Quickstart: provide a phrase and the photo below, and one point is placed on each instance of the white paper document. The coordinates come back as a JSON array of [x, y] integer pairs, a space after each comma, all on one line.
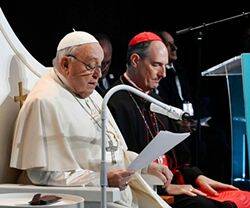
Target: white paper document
[[162, 142]]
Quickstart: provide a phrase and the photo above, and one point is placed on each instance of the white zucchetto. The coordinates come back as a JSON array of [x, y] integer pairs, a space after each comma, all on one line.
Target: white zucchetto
[[76, 38]]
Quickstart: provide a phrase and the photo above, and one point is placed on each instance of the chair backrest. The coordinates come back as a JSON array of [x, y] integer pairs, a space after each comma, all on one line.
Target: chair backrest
[[16, 65]]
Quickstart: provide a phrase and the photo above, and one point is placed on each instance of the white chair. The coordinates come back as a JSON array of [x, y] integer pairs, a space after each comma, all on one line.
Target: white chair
[[18, 65]]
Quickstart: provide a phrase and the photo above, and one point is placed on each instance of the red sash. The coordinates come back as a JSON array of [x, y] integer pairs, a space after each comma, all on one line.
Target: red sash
[[240, 198]]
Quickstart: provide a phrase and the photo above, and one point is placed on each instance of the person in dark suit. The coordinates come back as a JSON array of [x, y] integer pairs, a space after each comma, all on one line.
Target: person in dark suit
[[209, 141], [107, 78], [174, 89], [146, 66]]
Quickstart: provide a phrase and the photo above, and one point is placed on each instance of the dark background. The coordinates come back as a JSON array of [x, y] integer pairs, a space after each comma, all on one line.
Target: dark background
[[41, 24]]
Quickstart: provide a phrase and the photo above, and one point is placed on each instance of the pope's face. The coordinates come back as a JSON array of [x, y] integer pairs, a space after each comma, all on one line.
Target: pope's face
[[84, 69]]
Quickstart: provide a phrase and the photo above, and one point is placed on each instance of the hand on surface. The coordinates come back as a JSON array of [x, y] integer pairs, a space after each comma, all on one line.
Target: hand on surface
[[162, 172], [175, 189], [119, 178], [210, 186]]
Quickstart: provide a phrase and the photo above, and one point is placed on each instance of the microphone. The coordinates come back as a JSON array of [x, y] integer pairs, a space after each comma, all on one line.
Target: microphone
[[170, 111]]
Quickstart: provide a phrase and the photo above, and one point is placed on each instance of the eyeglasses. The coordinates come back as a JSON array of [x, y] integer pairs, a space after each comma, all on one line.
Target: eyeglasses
[[87, 66]]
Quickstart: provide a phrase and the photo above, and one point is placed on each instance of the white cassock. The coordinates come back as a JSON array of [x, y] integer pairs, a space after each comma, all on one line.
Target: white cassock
[[58, 141]]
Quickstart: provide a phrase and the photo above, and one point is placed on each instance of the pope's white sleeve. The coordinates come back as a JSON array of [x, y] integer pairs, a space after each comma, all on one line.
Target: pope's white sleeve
[[64, 178], [131, 155]]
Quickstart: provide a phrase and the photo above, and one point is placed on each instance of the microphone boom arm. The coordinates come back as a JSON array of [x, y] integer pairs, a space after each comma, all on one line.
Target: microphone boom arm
[[104, 117], [183, 31]]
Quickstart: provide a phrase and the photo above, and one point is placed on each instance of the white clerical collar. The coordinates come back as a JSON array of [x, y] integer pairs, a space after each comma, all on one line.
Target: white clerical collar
[[63, 80], [171, 66], [131, 82]]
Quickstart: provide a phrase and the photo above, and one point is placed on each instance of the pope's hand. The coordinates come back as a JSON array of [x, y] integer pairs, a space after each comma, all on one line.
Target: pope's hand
[[210, 186], [162, 172], [119, 178]]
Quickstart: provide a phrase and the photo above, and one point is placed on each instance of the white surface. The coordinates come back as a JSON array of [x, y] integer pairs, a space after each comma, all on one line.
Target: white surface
[[90, 194], [22, 200], [162, 142]]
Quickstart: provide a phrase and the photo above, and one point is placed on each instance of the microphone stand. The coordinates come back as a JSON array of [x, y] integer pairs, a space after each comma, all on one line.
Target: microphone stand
[[205, 25], [104, 116], [199, 38]]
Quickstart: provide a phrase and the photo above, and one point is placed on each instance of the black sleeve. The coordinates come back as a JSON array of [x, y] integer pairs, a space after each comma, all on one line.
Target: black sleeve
[[190, 174], [183, 156]]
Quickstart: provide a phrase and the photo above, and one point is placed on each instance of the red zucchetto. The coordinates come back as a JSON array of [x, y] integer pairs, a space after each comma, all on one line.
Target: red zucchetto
[[144, 37]]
